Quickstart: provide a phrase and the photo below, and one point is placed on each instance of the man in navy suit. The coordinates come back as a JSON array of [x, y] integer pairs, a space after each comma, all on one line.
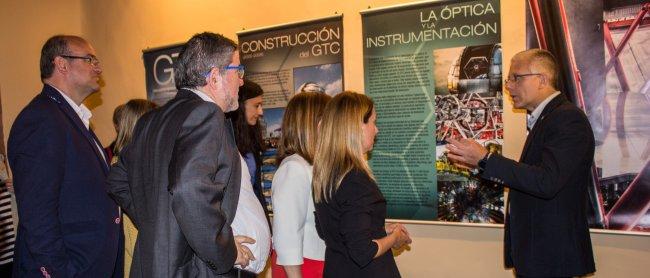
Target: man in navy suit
[[546, 230], [68, 225]]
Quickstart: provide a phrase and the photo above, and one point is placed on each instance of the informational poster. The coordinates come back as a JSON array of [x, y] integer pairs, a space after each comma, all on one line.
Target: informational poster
[[285, 60], [604, 47], [434, 71], [159, 73]]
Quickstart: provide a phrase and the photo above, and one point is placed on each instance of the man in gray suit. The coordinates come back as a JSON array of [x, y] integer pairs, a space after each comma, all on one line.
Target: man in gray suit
[[179, 179]]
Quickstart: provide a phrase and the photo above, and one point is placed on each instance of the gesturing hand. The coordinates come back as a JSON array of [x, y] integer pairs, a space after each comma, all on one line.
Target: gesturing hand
[[244, 255], [465, 152]]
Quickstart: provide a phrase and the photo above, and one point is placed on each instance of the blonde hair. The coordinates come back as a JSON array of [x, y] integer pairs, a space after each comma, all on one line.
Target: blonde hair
[[126, 115], [300, 125], [340, 148]]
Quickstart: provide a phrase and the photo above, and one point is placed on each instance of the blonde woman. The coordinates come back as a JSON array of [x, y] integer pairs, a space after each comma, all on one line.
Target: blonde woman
[[350, 209], [300, 252], [125, 118]]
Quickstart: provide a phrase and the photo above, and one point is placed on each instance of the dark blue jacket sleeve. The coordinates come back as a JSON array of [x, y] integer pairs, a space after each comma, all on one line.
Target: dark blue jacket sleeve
[[36, 156], [566, 149], [356, 199]]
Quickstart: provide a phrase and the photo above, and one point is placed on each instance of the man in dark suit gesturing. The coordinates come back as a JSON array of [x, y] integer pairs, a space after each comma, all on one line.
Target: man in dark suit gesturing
[[546, 230], [179, 179], [68, 225]]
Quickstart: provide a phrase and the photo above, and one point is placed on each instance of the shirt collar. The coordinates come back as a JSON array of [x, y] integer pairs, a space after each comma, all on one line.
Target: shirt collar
[[82, 111], [202, 95], [533, 116]]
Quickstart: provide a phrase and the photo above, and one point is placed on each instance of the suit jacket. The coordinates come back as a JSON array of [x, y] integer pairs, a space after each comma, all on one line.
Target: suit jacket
[[546, 230], [179, 182], [348, 223], [69, 226]]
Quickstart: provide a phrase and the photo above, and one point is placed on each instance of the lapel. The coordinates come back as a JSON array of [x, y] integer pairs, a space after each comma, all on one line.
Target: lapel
[[538, 127], [231, 129], [92, 140], [229, 204]]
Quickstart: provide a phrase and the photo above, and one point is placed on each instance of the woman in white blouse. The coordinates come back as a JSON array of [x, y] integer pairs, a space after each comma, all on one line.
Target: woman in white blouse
[[299, 252]]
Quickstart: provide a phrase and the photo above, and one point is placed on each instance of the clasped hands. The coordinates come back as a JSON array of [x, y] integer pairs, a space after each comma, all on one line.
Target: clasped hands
[[401, 234]]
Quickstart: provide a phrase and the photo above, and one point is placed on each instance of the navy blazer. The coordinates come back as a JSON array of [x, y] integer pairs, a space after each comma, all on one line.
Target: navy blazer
[[546, 229], [348, 222], [69, 226]]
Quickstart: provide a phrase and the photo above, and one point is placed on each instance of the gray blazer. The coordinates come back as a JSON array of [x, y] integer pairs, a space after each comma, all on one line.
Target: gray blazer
[[179, 182]]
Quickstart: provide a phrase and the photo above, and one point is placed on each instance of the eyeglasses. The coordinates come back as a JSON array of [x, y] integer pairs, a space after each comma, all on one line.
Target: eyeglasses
[[516, 77], [240, 70], [88, 59]]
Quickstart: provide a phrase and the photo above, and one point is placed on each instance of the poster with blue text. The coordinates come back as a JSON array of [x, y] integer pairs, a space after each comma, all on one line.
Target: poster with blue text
[[434, 71]]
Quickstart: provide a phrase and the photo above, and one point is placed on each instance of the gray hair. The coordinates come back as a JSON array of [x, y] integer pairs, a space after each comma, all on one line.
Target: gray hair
[[543, 61], [199, 55]]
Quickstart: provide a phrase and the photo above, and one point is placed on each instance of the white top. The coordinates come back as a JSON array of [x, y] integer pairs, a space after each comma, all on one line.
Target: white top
[[294, 228], [84, 114], [249, 219], [533, 116]]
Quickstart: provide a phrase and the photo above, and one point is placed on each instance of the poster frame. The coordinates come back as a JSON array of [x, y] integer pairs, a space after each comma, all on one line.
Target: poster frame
[[371, 11], [246, 32]]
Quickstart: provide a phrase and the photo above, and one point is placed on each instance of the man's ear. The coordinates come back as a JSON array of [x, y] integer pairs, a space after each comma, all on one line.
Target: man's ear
[[214, 78], [543, 80], [60, 64]]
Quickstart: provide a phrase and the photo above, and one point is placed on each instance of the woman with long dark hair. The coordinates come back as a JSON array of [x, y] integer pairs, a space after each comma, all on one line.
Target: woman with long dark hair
[[248, 133]]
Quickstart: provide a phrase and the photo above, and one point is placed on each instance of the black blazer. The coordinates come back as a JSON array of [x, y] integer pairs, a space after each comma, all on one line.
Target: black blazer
[[69, 226], [179, 182], [348, 223], [546, 230]]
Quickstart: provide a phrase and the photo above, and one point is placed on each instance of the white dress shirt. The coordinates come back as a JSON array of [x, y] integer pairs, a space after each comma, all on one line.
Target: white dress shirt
[[249, 219], [294, 227], [84, 114], [533, 116], [202, 95]]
